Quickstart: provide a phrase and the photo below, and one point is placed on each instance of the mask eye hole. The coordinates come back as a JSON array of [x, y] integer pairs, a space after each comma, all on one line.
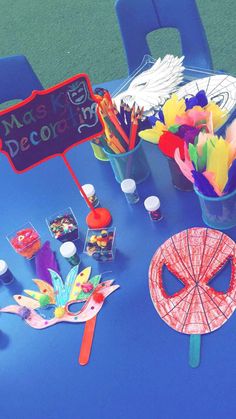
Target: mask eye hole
[[75, 307], [221, 281], [171, 283]]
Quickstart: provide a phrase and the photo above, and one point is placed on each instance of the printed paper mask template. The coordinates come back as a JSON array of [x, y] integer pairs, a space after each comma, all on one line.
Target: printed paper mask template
[[220, 89], [194, 256]]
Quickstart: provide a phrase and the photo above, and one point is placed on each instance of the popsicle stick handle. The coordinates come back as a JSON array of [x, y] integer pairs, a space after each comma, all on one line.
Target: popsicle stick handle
[[194, 350], [87, 341]]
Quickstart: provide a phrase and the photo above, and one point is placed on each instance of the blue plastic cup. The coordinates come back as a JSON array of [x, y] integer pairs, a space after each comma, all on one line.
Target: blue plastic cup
[[130, 165], [218, 212], [178, 179]]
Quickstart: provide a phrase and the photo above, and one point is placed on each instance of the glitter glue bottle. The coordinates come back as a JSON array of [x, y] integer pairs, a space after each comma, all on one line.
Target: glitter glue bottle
[[69, 252], [90, 192], [5, 274], [152, 205], [128, 186]]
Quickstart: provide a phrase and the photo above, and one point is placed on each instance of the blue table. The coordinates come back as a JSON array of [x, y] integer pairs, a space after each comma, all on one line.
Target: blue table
[[138, 366]]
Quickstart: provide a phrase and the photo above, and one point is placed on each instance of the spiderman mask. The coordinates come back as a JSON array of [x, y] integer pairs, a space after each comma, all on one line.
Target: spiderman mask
[[194, 256]]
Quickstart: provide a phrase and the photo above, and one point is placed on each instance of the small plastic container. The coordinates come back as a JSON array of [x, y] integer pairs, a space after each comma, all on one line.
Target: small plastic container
[[152, 205], [132, 164], [218, 212], [25, 241], [128, 186], [69, 252], [178, 179], [63, 226], [90, 192], [100, 244], [5, 274]]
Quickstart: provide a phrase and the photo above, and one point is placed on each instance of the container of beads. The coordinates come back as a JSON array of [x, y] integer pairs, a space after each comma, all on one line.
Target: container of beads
[[63, 226], [100, 244], [152, 205], [25, 241], [90, 192]]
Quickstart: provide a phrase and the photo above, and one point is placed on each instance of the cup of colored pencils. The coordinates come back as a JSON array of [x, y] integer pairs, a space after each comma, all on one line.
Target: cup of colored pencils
[[121, 142]]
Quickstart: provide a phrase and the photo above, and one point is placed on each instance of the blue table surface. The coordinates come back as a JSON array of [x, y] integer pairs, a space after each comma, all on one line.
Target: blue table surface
[[139, 365]]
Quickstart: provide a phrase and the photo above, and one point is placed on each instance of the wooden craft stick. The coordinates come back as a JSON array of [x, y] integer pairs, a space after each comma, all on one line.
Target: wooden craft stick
[[87, 341]]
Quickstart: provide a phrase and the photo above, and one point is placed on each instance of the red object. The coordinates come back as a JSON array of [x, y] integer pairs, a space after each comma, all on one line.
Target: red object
[[169, 142], [26, 242], [87, 341], [99, 218], [98, 297], [194, 256], [77, 183], [133, 134]]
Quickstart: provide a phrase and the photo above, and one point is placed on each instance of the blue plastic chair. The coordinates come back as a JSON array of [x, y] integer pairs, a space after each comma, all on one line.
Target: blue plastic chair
[[17, 78], [137, 18]]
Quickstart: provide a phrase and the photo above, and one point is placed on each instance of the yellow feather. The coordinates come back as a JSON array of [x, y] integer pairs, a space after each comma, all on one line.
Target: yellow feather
[[172, 108], [152, 135], [34, 294], [219, 116], [218, 162]]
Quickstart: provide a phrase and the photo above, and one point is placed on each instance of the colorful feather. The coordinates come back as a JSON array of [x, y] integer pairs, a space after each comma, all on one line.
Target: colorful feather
[[81, 278], [185, 166], [217, 162], [26, 301], [45, 259], [203, 185], [45, 289], [231, 183], [59, 289], [82, 296], [70, 280]]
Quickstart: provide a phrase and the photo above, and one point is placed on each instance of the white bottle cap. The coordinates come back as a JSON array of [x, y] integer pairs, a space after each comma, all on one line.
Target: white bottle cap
[[128, 186], [152, 203], [88, 189], [68, 249], [3, 267]]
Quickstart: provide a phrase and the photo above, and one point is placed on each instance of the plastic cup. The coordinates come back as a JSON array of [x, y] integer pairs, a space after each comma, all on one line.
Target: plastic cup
[[25, 241], [132, 164], [63, 225], [178, 179], [100, 244], [99, 153], [218, 212]]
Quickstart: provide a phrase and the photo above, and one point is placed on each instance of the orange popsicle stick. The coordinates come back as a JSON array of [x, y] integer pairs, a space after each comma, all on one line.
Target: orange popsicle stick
[[87, 341]]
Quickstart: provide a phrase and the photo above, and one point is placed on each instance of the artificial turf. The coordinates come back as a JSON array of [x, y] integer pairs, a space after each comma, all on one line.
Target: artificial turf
[[64, 37]]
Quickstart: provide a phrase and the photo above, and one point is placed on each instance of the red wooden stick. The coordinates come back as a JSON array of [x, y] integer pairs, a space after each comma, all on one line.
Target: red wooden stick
[[78, 184], [87, 341]]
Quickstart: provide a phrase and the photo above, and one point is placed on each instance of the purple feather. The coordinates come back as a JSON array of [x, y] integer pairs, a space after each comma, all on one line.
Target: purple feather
[[45, 259], [188, 133], [199, 99], [231, 183], [203, 185]]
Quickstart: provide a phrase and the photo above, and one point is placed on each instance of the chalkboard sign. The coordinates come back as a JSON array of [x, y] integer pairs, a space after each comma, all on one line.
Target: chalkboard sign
[[49, 123]]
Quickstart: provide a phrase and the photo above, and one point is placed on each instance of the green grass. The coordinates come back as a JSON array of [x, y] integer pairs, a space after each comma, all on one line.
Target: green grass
[[64, 37]]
